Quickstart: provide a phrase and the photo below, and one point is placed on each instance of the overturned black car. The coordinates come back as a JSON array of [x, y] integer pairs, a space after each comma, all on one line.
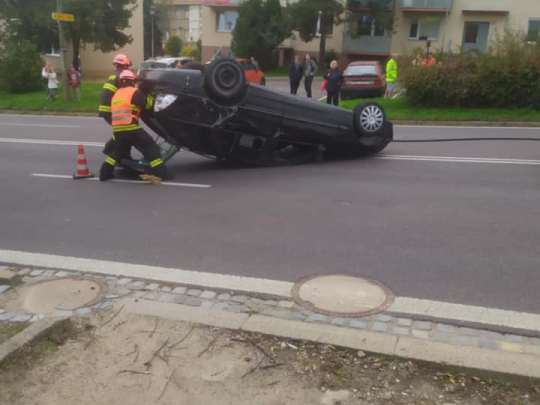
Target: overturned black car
[[212, 111]]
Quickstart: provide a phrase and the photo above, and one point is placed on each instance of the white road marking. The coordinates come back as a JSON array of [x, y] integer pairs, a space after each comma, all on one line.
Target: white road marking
[[420, 158], [427, 126], [163, 274], [402, 305], [51, 142], [165, 183], [322, 98], [15, 124], [454, 159]]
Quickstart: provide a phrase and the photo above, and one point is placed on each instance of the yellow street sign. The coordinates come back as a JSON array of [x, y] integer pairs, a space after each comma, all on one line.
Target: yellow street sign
[[63, 17]]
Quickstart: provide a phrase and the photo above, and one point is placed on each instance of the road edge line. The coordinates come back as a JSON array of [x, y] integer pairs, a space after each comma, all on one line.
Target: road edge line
[[164, 274]]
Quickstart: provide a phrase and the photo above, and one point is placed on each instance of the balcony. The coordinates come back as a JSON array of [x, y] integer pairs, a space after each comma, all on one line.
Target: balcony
[[222, 3], [363, 4], [367, 45], [426, 5]]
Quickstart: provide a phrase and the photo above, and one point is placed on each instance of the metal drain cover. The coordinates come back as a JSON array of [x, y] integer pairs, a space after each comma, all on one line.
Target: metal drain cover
[[62, 294], [342, 295]]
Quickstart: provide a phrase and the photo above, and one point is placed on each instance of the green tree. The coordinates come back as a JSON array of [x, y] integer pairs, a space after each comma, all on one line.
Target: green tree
[[314, 18], [30, 20], [174, 45], [98, 22], [260, 28], [21, 67]]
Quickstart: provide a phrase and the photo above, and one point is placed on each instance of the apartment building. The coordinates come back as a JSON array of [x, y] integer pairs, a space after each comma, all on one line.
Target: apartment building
[[448, 24], [184, 19]]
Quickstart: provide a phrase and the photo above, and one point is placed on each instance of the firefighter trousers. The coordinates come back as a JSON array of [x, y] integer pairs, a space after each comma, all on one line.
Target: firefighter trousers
[[141, 141]]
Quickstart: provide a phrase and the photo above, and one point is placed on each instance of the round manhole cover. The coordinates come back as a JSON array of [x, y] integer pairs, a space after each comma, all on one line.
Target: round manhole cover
[[342, 295], [64, 294]]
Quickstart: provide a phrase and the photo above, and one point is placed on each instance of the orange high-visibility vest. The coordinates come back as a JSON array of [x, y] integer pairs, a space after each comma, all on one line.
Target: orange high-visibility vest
[[123, 112]]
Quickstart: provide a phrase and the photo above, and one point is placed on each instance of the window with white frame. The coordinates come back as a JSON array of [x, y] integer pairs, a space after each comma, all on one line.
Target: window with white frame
[[423, 29], [226, 20], [329, 25], [368, 26]]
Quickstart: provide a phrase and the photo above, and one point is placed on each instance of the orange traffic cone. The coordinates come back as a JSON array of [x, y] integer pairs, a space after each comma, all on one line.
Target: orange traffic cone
[[82, 167]]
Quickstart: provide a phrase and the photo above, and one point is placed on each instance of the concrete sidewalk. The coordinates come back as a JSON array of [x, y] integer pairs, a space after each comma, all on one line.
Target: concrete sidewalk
[[407, 337]]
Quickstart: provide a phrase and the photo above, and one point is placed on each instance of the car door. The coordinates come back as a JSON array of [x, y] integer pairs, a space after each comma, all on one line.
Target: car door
[[251, 72]]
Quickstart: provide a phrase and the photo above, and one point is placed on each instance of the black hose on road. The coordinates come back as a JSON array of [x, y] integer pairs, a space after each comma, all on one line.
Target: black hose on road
[[463, 139]]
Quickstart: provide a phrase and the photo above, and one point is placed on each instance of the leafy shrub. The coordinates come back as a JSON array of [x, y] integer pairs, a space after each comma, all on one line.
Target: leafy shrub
[[329, 57], [21, 66], [174, 46], [507, 75]]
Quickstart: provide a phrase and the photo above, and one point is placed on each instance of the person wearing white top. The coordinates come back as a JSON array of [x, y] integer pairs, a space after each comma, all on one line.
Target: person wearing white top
[[52, 85]]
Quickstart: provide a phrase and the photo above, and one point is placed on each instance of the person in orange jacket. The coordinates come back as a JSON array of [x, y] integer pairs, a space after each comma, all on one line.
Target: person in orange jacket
[[126, 106]]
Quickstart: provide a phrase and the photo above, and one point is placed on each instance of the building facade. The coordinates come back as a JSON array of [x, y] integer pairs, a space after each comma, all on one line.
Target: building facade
[[183, 19], [449, 25]]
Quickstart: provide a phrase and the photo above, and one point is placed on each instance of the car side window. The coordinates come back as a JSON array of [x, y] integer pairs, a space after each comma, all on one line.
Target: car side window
[[248, 66]]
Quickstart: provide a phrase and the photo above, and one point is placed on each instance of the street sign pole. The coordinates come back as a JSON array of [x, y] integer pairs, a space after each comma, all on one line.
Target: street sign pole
[[63, 51]]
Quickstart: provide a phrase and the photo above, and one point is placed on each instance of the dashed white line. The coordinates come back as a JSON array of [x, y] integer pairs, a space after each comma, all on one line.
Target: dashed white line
[[419, 158], [165, 183], [50, 142], [454, 159], [16, 124]]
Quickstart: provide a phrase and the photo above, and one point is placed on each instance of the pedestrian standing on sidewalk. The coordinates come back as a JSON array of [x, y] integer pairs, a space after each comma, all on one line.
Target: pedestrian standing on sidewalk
[[334, 80], [310, 68], [296, 71], [391, 76], [75, 82], [52, 83]]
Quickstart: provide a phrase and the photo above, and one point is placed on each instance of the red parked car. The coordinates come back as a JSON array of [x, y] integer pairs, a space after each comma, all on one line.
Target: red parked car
[[363, 79]]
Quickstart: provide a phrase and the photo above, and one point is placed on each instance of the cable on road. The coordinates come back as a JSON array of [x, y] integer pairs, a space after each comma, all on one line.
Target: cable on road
[[463, 139]]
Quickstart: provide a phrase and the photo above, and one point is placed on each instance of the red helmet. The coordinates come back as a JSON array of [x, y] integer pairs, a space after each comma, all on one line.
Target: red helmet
[[127, 75], [121, 59]]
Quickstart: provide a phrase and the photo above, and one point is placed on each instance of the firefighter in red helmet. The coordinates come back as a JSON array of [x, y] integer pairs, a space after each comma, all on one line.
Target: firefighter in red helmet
[[121, 62], [126, 106]]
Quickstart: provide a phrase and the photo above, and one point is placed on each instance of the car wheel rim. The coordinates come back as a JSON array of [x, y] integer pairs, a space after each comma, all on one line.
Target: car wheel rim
[[226, 77], [371, 118]]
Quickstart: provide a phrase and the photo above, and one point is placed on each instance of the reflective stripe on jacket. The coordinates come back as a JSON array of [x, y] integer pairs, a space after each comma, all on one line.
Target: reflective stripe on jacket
[[125, 114], [391, 71], [107, 92]]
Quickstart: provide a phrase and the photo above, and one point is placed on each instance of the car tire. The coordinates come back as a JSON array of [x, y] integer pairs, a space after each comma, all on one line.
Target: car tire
[[369, 119], [373, 131], [263, 82], [194, 66], [225, 82]]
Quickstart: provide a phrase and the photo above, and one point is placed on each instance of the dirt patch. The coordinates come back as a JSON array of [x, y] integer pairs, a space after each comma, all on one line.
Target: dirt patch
[[149, 360], [31, 355], [10, 329]]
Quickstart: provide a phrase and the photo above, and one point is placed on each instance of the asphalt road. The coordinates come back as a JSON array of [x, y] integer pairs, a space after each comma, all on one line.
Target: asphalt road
[[442, 228]]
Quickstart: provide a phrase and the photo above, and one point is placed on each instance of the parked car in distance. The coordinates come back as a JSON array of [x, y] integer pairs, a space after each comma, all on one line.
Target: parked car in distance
[[252, 73], [363, 79], [162, 63]]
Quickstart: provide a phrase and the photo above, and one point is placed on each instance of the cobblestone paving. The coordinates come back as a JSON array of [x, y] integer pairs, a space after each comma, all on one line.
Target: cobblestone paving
[[285, 309]]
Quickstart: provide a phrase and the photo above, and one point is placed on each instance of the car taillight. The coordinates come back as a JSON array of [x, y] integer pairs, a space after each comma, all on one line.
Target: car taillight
[[163, 101]]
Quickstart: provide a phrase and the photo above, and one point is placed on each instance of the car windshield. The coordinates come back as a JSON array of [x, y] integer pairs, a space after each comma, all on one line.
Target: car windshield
[[153, 65], [361, 70]]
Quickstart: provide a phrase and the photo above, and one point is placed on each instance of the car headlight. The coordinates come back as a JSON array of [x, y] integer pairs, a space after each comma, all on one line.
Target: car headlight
[[163, 101]]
